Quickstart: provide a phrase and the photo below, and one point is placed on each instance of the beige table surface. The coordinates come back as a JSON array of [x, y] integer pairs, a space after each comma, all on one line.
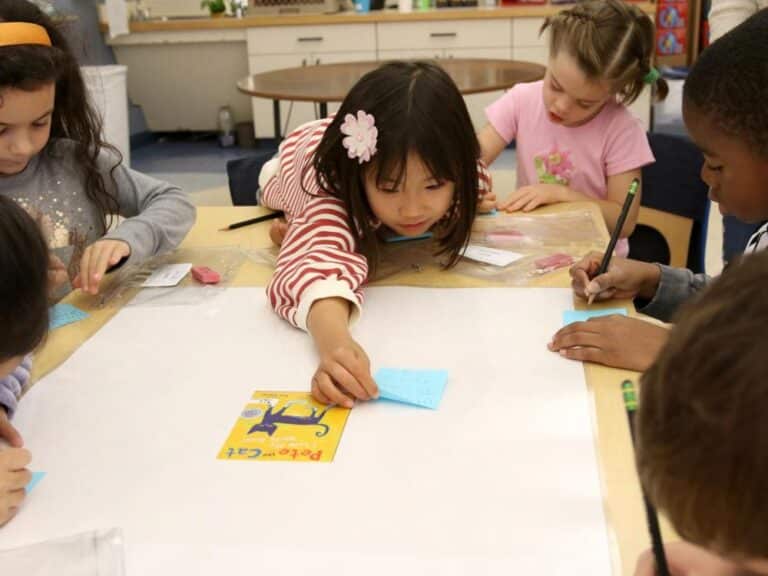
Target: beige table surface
[[623, 503]]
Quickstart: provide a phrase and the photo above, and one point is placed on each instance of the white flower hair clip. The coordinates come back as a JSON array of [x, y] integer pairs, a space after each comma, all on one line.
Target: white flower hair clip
[[361, 135]]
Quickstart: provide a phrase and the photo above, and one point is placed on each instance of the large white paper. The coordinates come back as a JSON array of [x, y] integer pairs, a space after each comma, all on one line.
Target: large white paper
[[501, 479]]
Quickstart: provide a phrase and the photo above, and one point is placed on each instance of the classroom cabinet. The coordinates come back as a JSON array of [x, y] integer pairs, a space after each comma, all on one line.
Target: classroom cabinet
[[273, 48]]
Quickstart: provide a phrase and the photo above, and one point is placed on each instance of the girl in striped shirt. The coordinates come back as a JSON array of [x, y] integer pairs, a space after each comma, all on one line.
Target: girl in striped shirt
[[400, 158]]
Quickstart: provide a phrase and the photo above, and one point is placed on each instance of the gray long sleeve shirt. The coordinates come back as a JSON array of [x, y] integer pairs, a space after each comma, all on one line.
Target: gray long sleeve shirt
[[678, 284], [52, 189]]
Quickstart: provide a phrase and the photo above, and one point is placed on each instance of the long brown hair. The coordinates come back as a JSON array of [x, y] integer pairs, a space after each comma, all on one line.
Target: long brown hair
[[611, 40], [418, 109], [28, 67]]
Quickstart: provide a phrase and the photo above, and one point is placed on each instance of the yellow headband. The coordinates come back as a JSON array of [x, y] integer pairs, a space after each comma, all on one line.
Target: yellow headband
[[19, 33]]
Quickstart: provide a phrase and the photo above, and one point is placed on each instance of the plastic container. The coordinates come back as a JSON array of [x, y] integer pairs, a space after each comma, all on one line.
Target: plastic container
[[226, 124]]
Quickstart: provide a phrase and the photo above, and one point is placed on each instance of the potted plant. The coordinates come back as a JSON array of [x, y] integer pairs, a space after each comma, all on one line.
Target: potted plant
[[215, 7]]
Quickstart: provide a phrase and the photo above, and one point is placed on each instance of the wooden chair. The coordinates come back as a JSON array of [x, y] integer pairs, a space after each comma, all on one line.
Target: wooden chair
[[674, 210]]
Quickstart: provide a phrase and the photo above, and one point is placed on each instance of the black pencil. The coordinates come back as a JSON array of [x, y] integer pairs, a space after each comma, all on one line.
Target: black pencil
[[662, 569], [617, 230], [256, 220]]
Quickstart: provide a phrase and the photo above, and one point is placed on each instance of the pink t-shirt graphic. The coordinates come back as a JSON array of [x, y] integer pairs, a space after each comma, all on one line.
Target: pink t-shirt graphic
[[580, 157]]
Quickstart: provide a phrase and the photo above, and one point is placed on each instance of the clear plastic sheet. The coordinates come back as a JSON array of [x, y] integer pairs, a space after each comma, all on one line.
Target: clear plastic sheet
[[545, 242], [126, 285]]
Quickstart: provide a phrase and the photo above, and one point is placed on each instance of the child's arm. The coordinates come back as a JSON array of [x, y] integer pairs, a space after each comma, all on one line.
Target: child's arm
[[317, 286], [13, 478], [158, 217], [10, 390], [531, 197], [491, 144], [486, 199], [344, 372]]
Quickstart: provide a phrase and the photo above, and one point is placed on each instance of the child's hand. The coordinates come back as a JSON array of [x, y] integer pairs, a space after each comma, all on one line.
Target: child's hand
[[624, 279], [97, 259], [344, 374], [8, 432], [13, 478], [528, 198], [57, 274], [486, 203], [616, 341], [687, 560], [277, 231]]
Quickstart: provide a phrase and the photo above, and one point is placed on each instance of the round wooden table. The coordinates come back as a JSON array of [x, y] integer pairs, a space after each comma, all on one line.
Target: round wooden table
[[325, 83]]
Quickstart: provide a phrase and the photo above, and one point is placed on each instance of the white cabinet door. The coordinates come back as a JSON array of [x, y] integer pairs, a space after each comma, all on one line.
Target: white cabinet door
[[315, 39], [477, 103], [444, 34]]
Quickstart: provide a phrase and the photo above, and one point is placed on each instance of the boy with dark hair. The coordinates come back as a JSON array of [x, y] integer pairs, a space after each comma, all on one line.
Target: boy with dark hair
[[702, 429]]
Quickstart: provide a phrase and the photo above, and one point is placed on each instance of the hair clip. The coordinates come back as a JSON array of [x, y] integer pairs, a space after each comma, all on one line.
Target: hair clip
[[652, 76], [361, 135]]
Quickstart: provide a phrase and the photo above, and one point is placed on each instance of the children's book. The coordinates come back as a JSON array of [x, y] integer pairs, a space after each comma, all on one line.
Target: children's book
[[285, 426]]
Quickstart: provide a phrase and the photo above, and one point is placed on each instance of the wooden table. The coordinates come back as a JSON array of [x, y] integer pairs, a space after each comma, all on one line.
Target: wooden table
[[623, 503], [331, 82]]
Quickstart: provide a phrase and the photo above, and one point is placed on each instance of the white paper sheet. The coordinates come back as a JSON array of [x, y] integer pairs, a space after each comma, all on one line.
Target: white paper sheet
[[501, 479]]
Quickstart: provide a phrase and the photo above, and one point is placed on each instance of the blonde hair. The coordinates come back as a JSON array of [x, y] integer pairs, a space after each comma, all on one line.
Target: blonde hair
[[610, 40]]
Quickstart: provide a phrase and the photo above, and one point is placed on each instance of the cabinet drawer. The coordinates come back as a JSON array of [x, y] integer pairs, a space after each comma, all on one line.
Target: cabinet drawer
[[525, 32], [302, 39], [444, 34]]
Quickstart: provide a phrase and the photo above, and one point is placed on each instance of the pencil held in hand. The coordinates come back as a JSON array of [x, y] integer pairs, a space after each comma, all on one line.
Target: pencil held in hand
[[634, 185]]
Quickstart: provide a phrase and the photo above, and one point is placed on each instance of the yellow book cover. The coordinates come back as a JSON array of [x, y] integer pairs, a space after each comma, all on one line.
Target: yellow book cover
[[285, 426]]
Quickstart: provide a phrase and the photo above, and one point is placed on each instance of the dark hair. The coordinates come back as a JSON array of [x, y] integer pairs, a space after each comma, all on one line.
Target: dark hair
[[418, 109], [29, 67], [611, 40], [23, 282], [729, 82], [703, 417]]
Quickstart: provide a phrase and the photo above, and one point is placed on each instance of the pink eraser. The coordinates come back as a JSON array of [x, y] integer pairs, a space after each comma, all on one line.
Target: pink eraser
[[554, 261], [205, 275]]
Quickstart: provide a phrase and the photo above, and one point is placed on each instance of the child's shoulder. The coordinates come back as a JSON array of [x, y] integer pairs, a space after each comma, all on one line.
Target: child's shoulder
[[619, 117], [525, 90]]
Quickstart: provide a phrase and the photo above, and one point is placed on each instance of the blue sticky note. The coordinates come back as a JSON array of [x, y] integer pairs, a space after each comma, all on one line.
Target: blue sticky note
[[418, 387], [409, 238], [571, 316], [63, 314], [36, 477]]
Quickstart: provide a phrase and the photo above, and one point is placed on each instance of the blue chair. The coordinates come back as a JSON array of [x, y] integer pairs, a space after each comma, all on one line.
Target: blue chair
[[243, 176], [674, 211]]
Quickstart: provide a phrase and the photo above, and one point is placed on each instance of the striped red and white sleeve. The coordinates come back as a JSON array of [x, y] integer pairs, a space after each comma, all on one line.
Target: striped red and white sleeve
[[485, 182], [318, 258]]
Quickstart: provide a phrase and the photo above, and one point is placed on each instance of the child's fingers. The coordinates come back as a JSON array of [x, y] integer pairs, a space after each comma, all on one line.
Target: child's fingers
[[10, 433], [13, 500], [323, 384], [360, 370], [15, 458], [18, 479], [532, 204], [344, 379], [318, 395], [85, 269]]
